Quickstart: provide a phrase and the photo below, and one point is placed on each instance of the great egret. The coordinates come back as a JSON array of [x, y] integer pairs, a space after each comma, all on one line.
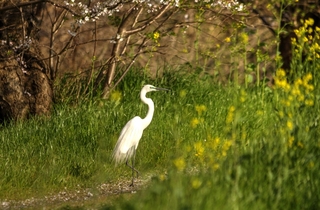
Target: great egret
[[131, 134]]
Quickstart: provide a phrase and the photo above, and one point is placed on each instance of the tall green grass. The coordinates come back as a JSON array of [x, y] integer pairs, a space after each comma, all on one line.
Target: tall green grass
[[208, 146], [72, 148]]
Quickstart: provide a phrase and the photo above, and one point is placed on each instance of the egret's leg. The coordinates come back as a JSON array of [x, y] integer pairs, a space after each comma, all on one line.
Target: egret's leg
[[132, 172], [132, 167], [133, 162]]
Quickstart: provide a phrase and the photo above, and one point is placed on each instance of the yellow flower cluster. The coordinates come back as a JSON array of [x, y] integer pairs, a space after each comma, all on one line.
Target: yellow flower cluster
[[179, 163], [298, 92], [293, 96], [290, 141], [289, 125], [228, 39], [199, 149], [230, 115], [308, 40], [225, 147], [309, 22], [197, 120], [211, 152], [245, 38], [200, 109], [214, 143], [155, 37], [280, 80], [115, 96], [243, 95], [196, 183]]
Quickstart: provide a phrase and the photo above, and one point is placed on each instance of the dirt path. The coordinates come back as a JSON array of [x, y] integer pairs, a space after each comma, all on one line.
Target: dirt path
[[78, 197]]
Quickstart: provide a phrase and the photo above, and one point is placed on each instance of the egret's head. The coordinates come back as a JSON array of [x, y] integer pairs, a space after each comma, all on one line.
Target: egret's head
[[149, 88]]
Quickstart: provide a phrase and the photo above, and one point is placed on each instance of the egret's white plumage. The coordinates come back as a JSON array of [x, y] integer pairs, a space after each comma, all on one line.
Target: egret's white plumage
[[124, 147], [132, 131]]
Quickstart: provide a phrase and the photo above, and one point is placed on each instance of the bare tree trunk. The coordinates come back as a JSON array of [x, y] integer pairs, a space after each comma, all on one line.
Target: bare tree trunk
[[25, 89], [128, 27]]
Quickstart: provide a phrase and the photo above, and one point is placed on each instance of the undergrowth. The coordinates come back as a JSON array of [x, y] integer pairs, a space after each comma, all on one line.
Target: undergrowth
[[209, 146]]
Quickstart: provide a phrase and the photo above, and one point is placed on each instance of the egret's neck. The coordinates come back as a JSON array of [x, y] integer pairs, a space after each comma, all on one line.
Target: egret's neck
[[148, 118]]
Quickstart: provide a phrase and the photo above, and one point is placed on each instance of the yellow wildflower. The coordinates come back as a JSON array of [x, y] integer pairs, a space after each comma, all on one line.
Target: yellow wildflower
[[301, 98], [156, 35], [179, 163], [289, 125], [309, 102], [199, 149], [216, 166], [195, 122], [281, 114], [280, 73], [228, 39], [260, 112], [298, 82], [297, 32], [116, 96], [214, 143], [196, 183], [200, 109], [290, 141], [310, 87], [225, 147], [245, 38], [183, 93], [307, 78], [295, 91], [243, 95], [281, 82], [162, 177], [309, 22], [230, 115], [287, 103]]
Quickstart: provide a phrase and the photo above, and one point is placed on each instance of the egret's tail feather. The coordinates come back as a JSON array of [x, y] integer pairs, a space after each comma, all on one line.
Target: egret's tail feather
[[118, 157]]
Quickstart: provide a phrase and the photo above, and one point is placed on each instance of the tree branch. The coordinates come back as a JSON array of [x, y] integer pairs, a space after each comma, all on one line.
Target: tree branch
[[141, 28]]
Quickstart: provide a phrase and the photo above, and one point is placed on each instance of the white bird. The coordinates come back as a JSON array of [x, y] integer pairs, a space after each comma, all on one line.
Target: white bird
[[131, 134]]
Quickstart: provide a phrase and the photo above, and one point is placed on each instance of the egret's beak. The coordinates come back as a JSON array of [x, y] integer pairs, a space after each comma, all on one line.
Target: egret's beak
[[163, 89]]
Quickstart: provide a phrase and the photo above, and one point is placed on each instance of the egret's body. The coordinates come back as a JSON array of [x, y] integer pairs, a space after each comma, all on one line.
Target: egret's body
[[132, 132]]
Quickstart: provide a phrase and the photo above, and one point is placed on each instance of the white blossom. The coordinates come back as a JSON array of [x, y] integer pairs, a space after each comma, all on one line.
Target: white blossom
[[100, 8]]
